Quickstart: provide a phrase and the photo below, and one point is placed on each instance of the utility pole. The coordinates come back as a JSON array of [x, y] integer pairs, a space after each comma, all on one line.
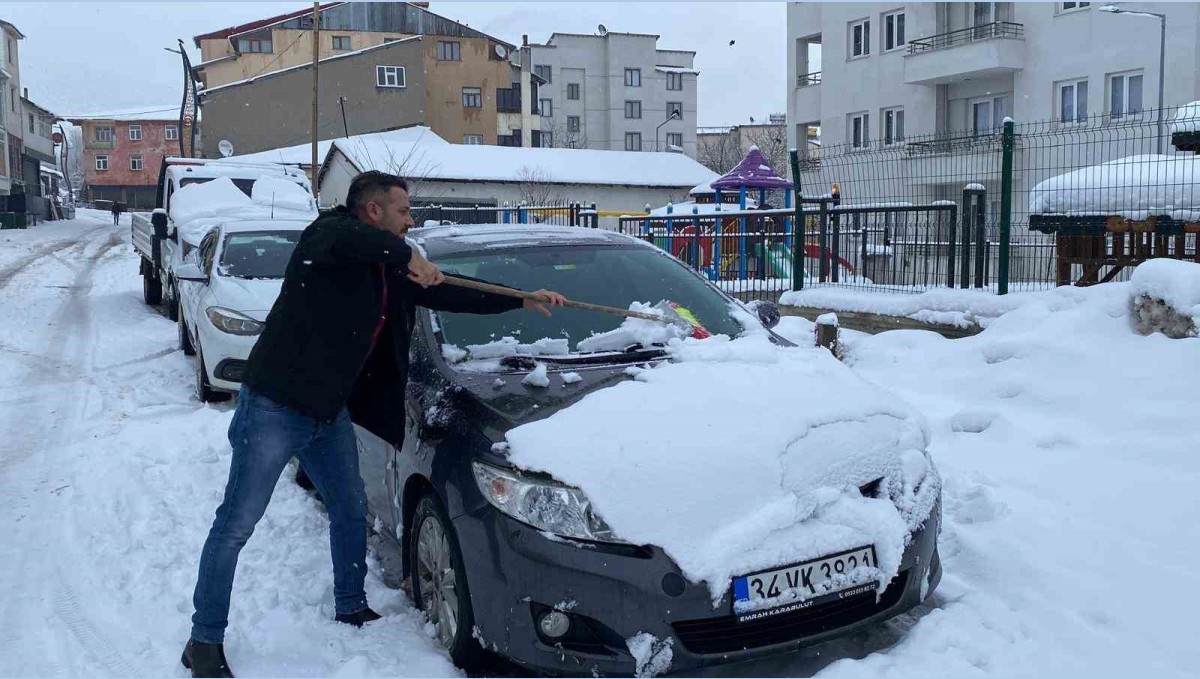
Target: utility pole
[[316, 51], [345, 127]]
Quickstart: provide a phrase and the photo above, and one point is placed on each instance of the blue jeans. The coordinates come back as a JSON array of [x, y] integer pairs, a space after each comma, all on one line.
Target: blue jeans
[[265, 435]]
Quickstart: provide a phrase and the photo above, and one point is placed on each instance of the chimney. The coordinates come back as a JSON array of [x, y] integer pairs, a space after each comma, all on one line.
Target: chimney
[[26, 92], [525, 40]]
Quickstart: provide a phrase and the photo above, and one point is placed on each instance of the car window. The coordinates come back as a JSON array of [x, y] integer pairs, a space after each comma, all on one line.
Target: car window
[[614, 275], [258, 254], [208, 248]]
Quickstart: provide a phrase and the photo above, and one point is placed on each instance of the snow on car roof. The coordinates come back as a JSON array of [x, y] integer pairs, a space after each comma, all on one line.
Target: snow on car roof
[[442, 240]]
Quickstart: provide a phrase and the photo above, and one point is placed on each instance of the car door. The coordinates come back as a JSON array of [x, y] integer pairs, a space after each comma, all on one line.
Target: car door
[[197, 298]]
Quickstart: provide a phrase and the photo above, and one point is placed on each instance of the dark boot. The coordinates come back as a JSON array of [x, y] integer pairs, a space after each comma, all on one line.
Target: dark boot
[[205, 660], [359, 618]]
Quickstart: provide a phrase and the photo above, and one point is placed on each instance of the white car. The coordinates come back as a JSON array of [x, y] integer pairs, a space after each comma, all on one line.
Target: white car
[[227, 287]]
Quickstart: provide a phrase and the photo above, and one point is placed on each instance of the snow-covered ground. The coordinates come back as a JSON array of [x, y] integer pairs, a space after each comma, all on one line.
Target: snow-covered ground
[[1065, 441]]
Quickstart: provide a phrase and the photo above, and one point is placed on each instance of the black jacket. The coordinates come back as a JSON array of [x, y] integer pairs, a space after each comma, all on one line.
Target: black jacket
[[313, 352]]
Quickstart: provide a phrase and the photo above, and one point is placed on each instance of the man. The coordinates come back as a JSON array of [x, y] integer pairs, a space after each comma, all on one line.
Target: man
[[116, 213], [334, 350]]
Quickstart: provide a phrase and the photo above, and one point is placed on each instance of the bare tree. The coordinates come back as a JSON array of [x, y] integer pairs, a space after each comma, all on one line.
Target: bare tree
[[772, 143], [564, 138], [537, 187], [414, 162], [718, 152]]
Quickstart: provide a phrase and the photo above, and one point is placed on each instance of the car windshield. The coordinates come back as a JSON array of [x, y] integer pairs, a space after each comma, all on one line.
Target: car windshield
[[611, 275], [258, 254]]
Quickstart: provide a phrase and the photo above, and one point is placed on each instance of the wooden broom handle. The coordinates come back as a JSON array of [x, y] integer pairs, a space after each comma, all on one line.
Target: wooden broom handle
[[521, 294]]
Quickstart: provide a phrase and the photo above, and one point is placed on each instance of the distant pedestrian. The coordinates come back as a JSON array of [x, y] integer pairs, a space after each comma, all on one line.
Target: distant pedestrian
[[116, 212]]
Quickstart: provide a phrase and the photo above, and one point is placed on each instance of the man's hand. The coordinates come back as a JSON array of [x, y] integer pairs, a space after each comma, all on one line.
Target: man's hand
[[423, 272], [547, 297]]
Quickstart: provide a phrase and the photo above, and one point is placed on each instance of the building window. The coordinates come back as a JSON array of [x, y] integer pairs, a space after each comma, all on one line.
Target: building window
[[633, 77], [547, 140], [101, 161], [893, 31], [246, 46], [449, 51], [12, 98], [135, 133], [633, 141], [389, 76], [546, 107], [543, 71], [472, 97], [1066, 6], [987, 115], [633, 109], [1072, 101], [341, 43], [572, 123], [32, 125], [860, 38], [170, 133], [1124, 94], [893, 126], [675, 139], [860, 130], [674, 81], [573, 91], [12, 51], [673, 106], [473, 139], [105, 134], [135, 162]]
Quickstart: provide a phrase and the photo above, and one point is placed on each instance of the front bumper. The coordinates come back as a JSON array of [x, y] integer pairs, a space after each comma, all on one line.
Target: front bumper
[[612, 593], [225, 356]]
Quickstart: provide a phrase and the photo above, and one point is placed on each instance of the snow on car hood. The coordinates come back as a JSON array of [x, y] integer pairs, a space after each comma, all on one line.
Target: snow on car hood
[[739, 456], [251, 296]]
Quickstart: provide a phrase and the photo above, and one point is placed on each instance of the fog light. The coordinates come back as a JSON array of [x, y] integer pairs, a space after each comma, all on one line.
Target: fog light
[[554, 624]]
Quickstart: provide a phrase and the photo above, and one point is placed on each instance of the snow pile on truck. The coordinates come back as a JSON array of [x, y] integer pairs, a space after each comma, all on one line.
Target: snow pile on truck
[[220, 199]]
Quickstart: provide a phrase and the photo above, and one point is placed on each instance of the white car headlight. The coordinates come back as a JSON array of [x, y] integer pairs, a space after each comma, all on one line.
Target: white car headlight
[[545, 505], [232, 322]]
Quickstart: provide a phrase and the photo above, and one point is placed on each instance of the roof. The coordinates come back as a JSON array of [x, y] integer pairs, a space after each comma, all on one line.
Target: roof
[[13, 28], [47, 169], [440, 241], [752, 173], [676, 69], [298, 67], [597, 35], [39, 108], [301, 154], [170, 112], [261, 23], [465, 162]]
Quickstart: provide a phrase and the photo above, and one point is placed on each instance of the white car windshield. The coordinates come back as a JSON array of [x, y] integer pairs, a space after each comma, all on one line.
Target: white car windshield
[[258, 254]]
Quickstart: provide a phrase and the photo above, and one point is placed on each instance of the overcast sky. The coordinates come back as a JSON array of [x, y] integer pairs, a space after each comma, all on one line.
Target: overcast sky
[[94, 56]]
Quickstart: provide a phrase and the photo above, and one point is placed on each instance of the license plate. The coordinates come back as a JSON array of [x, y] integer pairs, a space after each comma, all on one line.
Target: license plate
[[804, 585]]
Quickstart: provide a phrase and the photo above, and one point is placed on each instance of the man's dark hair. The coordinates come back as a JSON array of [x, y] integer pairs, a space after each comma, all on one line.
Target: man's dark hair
[[370, 186]]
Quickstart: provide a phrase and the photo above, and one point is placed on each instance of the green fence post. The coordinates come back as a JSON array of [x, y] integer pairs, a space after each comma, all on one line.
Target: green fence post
[[1006, 182], [797, 225]]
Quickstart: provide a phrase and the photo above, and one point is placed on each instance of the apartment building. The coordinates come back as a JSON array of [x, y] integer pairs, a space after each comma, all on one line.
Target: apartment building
[[11, 111], [616, 91], [123, 152]]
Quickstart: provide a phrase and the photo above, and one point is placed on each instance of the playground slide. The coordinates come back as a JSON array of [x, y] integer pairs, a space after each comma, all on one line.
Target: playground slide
[[779, 261]]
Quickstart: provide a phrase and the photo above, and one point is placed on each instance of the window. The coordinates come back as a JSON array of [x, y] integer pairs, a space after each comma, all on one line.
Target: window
[[1124, 94], [987, 115], [860, 39], [675, 139], [473, 139], [893, 31], [546, 107], [472, 97], [12, 98], [105, 134], [449, 51], [389, 76], [543, 71], [893, 126], [674, 81], [12, 50], [135, 162], [572, 123], [171, 133], [101, 161], [573, 91], [675, 106], [547, 140], [633, 109], [1065, 6], [859, 130], [633, 141], [255, 46], [1072, 101], [135, 132], [341, 43], [633, 77], [31, 124]]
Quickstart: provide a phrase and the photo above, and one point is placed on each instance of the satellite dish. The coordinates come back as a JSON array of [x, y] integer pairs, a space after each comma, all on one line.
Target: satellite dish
[[501, 51], [603, 30], [225, 148]]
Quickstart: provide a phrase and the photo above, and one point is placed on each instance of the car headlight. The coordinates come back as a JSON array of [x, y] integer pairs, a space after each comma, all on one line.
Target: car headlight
[[545, 505], [232, 322]]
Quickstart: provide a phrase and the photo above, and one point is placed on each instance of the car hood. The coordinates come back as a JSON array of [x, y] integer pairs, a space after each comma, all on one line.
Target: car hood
[[251, 296]]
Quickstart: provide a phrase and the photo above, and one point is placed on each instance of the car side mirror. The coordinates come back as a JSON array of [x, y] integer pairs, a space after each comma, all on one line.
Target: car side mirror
[[767, 313], [191, 272]]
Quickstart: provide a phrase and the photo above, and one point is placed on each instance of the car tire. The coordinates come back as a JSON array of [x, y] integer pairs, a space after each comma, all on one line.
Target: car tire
[[173, 303], [185, 340], [151, 289], [431, 565], [204, 389]]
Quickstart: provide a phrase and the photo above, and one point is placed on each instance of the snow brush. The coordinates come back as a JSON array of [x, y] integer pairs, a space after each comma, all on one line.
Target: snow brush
[[671, 313]]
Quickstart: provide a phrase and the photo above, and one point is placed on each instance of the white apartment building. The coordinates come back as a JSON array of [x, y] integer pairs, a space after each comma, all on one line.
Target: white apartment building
[[616, 91], [890, 72]]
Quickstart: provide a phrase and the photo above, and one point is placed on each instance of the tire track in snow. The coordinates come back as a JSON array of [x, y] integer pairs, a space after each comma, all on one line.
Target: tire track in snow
[[12, 270], [97, 646]]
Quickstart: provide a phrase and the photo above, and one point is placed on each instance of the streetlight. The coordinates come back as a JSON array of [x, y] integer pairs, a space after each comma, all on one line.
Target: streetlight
[[673, 115], [1162, 57]]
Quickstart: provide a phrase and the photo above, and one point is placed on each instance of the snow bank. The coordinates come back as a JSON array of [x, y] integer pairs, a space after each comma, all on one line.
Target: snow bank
[[961, 308], [735, 492], [1187, 118], [1177, 285], [1135, 187]]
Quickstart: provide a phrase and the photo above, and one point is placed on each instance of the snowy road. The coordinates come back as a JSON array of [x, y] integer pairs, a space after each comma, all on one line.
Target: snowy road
[[1066, 443]]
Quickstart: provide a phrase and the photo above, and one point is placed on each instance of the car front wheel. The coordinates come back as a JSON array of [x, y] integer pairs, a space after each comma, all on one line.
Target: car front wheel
[[204, 389]]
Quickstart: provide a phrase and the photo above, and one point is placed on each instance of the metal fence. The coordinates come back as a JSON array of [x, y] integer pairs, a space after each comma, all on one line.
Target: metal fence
[[566, 214]]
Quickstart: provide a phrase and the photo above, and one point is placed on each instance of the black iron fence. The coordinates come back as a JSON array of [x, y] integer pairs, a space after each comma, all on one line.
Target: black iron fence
[[565, 214]]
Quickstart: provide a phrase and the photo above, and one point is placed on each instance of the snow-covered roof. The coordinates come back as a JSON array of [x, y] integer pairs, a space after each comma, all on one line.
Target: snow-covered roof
[[676, 69], [702, 189], [48, 169], [469, 162], [301, 154], [167, 112], [188, 167], [343, 55], [1135, 187], [1187, 118]]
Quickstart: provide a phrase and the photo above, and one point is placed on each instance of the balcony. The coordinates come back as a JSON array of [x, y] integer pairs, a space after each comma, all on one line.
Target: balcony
[[808, 79], [101, 144], [981, 51], [945, 158]]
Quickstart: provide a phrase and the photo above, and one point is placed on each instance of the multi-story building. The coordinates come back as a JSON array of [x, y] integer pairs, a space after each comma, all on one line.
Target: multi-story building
[[386, 65], [949, 70], [616, 91], [123, 152], [12, 170]]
